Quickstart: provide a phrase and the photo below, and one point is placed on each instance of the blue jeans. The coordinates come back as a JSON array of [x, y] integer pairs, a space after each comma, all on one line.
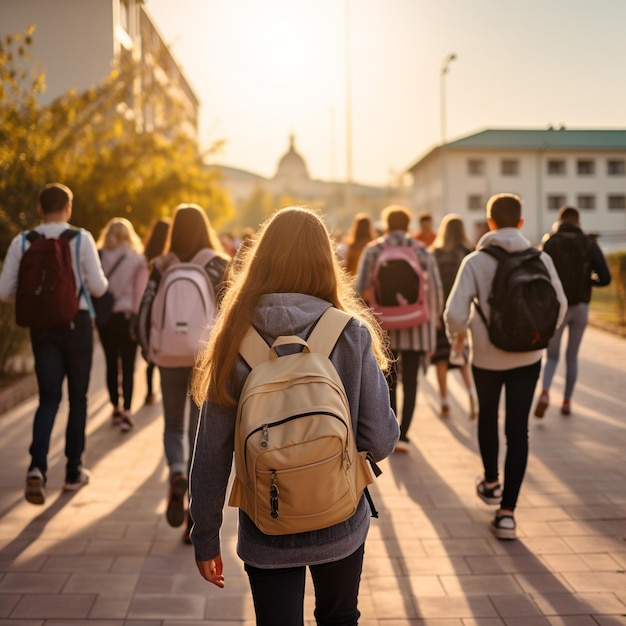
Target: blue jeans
[[576, 320], [60, 352], [519, 385], [175, 390], [278, 594]]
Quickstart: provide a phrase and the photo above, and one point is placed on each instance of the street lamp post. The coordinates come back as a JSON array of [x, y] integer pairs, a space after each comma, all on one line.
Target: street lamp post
[[445, 68]]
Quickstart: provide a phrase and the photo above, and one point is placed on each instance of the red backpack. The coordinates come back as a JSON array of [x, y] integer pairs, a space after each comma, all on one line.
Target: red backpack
[[46, 289]]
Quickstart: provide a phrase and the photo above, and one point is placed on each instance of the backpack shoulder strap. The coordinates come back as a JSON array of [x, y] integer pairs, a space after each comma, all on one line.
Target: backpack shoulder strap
[[253, 348], [327, 330], [70, 233], [204, 257], [496, 252]]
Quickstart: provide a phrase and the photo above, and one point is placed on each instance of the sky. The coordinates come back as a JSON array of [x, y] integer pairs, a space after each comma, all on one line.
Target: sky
[[358, 82]]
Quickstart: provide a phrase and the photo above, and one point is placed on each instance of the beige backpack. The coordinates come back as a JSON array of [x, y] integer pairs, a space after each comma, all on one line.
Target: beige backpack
[[296, 462]]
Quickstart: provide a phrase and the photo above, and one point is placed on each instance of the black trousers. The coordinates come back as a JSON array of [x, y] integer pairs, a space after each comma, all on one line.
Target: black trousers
[[519, 385], [278, 594]]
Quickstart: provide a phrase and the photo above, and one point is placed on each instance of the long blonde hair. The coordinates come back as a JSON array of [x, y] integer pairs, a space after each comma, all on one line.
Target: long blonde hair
[[291, 253], [119, 230]]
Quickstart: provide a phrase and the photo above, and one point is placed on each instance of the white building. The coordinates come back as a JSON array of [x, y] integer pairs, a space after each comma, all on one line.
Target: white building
[[546, 168], [77, 43]]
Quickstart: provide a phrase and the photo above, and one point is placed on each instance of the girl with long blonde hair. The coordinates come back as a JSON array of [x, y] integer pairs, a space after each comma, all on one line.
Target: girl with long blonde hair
[[288, 277]]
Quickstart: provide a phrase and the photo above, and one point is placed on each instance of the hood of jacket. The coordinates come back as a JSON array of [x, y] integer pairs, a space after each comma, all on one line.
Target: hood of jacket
[[511, 239], [287, 313]]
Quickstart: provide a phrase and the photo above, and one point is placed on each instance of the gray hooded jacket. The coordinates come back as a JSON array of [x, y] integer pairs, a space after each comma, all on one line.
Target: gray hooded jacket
[[374, 423]]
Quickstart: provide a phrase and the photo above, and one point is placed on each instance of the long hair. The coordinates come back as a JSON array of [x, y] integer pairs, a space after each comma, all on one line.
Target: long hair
[[361, 233], [118, 231], [157, 238], [191, 232], [292, 253], [451, 234]]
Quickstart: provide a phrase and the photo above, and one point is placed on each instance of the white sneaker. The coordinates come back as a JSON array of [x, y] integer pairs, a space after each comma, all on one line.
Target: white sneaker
[[79, 482], [35, 483]]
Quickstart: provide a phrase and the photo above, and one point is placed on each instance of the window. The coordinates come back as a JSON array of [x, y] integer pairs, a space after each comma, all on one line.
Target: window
[[476, 167], [586, 167], [475, 202], [509, 167], [616, 167], [556, 167], [556, 201], [616, 202], [586, 201]]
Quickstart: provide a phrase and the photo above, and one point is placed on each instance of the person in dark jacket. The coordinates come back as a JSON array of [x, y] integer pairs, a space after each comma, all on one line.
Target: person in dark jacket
[[592, 272], [275, 289]]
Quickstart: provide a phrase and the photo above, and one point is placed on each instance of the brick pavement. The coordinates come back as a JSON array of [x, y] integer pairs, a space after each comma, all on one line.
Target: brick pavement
[[106, 555]]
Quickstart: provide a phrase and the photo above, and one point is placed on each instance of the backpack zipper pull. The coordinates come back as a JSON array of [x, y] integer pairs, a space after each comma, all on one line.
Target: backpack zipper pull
[[274, 496], [264, 443]]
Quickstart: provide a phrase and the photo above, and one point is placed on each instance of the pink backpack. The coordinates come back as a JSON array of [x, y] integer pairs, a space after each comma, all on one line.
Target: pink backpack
[[399, 293], [183, 312]]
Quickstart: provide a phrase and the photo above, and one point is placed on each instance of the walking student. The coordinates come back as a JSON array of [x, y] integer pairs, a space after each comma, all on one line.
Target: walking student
[[581, 266], [121, 253], [413, 343], [154, 247], [191, 238], [65, 349], [287, 279], [495, 369]]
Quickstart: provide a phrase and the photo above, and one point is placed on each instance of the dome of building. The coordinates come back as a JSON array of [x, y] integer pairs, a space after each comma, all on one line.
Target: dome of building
[[292, 166]]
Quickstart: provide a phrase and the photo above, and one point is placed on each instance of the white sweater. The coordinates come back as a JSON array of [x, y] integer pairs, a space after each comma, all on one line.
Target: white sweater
[[474, 280]]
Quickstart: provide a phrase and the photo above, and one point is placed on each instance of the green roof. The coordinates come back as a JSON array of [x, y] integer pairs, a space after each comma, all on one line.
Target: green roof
[[560, 138]]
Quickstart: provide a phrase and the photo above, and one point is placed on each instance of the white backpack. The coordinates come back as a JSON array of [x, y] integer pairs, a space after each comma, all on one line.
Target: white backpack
[[183, 312], [296, 462]]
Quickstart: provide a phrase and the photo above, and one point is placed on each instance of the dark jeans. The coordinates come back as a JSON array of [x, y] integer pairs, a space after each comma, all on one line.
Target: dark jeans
[[149, 379], [61, 352], [118, 345], [278, 594], [519, 385], [408, 361]]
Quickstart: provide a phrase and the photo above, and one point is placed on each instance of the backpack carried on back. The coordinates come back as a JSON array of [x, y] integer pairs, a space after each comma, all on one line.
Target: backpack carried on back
[[523, 303], [46, 288], [183, 311], [297, 466], [570, 252], [399, 290]]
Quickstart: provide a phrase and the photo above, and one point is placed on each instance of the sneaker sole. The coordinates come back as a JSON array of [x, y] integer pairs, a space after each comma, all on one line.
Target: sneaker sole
[[35, 493], [126, 427], [175, 513], [504, 533], [488, 500], [70, 487]]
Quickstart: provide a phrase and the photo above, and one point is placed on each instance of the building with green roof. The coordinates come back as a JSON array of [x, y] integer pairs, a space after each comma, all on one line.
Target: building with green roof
[[546, 168]]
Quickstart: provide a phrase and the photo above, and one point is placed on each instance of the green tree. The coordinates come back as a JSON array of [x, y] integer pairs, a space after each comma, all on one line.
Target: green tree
[[95, 143]]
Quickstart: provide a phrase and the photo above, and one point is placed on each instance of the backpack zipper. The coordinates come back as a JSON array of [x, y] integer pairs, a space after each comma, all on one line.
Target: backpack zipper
[[264, 429]]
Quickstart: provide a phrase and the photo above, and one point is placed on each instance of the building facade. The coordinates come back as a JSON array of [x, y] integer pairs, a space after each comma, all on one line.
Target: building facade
[[78, 43], [546, 168]]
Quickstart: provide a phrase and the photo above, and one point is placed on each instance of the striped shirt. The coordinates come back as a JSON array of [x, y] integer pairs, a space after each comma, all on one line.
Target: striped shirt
[[422, 338]]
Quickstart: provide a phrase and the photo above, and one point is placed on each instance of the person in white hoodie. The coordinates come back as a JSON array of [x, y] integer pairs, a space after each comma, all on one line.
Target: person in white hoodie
[[493, 368]]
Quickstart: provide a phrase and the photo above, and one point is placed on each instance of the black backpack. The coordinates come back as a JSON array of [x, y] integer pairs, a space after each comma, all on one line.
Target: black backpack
[[524, 305], [570, 252]]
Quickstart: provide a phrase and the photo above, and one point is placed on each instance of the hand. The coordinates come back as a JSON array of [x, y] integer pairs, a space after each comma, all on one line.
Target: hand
[[212, 571], [458, 345]]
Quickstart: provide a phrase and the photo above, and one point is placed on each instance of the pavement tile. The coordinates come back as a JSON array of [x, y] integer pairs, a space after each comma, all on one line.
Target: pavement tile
[[106, 555]]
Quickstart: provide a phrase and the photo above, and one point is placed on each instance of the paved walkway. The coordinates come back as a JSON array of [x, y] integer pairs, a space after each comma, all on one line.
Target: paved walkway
[[106, 555]]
